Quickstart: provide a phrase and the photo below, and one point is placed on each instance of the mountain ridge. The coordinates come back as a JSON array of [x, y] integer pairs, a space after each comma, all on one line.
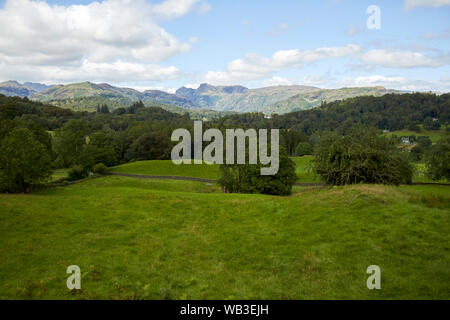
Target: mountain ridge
[[234, 98]]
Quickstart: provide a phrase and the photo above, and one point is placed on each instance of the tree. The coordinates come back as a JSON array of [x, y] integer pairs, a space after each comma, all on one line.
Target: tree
[[247, 178], [69, 143], [24, 162], [104, 151], [438, 159], [362, 156], [150, 146], [431, 124], [303, 149]]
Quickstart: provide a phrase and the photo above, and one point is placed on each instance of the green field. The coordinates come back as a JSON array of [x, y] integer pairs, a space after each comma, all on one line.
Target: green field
[[153, 239], [167, 168], [434, 135], [205, 171]]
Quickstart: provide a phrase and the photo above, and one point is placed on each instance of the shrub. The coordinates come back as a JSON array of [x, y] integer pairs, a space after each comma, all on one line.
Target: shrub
[[248, 179], [77, 173], [363, 156], [99, 168]]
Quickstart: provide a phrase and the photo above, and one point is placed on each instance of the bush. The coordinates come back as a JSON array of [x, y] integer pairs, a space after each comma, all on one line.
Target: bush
[[99, 168], [363, 156], [248, 179], [414, 127], [77, 173]]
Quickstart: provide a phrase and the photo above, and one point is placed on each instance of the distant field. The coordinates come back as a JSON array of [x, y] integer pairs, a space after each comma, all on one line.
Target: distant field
[[151, 239], [434, 135], [167, 168]]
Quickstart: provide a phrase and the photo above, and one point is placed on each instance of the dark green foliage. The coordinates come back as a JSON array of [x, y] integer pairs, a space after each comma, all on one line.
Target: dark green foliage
[[69, 143], [438, 159], [248, 179], [391, 111], [423, 143], [362, 156], [77, 173], [150, 146], [99, 168], [104, 151], [431, 124], [414, 127], [24, 161], [303, 149]]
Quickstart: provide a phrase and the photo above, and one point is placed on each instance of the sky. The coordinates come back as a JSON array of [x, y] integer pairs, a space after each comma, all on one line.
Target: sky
[[168, 44]]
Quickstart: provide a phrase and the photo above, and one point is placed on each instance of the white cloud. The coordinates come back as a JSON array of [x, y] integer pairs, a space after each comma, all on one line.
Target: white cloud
[[172, 9], [57, 41], [395, 82], [411, 4], [204, 8], [276, 81], [117, 72], [401, 59], [255, 66]]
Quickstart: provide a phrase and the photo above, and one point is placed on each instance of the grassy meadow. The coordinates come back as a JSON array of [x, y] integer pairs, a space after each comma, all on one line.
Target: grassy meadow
[[205, 171], [434, 135], [161, 239]]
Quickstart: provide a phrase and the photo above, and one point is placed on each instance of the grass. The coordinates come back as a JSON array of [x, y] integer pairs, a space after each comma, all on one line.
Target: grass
[[149, 239], [434, 135], [166, 167], [59, 174]]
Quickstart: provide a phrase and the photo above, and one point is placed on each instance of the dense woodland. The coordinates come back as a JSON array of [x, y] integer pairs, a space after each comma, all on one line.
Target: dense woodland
[[80, 140]]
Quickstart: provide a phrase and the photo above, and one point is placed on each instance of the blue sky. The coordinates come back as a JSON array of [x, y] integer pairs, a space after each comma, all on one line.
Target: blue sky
[[172, 43]]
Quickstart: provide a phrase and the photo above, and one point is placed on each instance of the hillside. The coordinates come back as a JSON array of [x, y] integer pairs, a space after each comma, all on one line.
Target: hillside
[[276, 99], [238, 98], [187, 240], [66, 95], [15, 89], [311, 99]]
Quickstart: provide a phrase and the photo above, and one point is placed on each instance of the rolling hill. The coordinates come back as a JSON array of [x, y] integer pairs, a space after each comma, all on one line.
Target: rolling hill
[[14, 88], [276, 99]]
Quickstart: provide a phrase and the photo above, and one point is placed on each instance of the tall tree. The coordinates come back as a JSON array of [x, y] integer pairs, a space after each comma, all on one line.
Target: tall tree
[[69, 142], [24, 161]]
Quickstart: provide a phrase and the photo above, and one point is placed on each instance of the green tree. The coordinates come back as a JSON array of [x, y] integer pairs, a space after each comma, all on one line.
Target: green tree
[[104, 151], [303, 149], [362, 156], [247, 178], [431, 124], [69, 143], [438, 159], [150, 146], [24, 161]]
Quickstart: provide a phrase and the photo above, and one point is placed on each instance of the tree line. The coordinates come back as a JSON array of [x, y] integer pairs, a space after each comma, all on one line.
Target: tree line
[[36, 138]]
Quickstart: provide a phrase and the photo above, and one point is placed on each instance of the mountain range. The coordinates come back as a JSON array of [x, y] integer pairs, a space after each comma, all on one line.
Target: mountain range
[[276, 99]]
